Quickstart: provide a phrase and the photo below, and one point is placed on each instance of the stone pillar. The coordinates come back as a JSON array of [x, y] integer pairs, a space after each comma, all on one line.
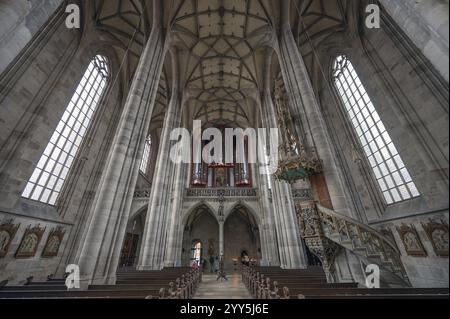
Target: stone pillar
[[174, 224], [305, 108], [101, 249], [268, 227], [426, 22], [221, 238], [152, 253], [291, 251], [177, 187], [269, 249]]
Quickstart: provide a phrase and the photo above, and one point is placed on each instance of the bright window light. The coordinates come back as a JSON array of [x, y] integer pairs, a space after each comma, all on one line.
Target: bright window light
[[52, 170], [390, 171]]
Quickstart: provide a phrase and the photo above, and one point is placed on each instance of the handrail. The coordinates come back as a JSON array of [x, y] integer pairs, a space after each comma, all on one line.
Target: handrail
[[359, 224]]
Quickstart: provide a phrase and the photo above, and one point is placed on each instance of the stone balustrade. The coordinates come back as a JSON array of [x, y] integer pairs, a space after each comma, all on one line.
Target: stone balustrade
[[142, 193], [221, 192], [225, 192]]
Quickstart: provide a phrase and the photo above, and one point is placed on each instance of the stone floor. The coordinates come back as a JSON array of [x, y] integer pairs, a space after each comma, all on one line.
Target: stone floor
[[234, 288]]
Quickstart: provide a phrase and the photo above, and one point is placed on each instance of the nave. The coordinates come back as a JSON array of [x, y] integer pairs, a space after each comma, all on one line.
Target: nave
[[92, 178]]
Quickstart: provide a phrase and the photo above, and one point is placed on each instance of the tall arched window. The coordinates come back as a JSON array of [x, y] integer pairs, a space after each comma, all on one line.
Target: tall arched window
[[146, 156], [53, 168], [392, 176]]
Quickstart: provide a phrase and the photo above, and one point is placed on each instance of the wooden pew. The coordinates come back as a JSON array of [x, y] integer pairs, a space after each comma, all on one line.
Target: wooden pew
[[275, 283], [170, 283]]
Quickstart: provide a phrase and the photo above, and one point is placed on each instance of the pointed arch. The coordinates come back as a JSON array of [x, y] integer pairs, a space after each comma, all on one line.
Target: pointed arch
[[252, 213], [195, 208]]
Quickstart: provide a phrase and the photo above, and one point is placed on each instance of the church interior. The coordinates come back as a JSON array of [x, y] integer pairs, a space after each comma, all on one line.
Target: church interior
[[93, 205]]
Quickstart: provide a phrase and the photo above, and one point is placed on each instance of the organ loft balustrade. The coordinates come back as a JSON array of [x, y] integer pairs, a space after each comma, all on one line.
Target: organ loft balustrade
[[221, 192], [206, 193]]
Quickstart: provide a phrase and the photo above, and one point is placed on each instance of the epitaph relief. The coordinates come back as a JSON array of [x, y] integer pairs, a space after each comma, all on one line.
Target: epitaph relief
[[438, 234], [7, 232], [53, 244], [411, 241], [30, 242]]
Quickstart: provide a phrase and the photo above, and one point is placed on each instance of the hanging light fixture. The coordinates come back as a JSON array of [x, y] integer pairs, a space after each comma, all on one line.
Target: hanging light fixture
[[296, 162]]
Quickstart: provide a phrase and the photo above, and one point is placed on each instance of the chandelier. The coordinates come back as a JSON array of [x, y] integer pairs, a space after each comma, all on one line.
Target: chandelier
[[296, 162]]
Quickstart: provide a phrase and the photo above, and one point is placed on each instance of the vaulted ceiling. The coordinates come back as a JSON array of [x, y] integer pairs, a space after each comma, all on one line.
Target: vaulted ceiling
[[124, 23], [220, 46], [316, 21], [220, 65], [319, 19]]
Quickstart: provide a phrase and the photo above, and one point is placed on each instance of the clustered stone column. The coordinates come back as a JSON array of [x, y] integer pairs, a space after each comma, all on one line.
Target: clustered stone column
[[291, 251], [153, 250], [100, 252], [174, 242], [304, 106]]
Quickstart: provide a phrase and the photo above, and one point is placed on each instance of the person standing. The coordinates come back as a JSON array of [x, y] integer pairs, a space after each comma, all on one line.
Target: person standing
[[204, 265], [211, 264]]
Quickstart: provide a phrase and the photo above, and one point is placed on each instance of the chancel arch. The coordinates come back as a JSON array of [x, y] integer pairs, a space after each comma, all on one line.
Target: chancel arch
[[241, 237], [201, 227]]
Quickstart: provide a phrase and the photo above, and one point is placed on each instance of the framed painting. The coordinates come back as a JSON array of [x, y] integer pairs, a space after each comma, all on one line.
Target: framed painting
[[30, 242]]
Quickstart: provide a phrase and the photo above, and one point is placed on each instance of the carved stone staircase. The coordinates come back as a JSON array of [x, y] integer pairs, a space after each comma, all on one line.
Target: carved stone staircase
[[326, 232]]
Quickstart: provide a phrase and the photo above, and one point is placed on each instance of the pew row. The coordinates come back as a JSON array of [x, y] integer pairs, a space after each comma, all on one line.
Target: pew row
[[170, 283], [311, 283]]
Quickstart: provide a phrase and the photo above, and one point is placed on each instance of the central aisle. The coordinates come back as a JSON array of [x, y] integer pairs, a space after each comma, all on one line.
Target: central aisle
[[234, 288]]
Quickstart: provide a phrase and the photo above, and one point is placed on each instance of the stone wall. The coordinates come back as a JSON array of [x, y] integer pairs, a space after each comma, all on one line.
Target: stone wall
[[20, 20], [35, 91], [426, 22], [428, 268], [413, 104]]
